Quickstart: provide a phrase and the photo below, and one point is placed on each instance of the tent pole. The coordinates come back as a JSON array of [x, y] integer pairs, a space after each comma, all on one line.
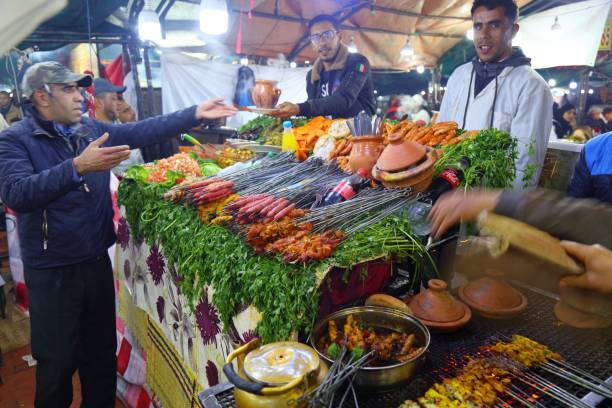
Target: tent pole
[[583, 90], [126, 59], [133, 55], [436, 76], [150, 94]]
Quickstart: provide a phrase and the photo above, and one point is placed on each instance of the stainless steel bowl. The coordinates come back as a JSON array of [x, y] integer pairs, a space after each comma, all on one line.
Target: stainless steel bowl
[[382, 317]]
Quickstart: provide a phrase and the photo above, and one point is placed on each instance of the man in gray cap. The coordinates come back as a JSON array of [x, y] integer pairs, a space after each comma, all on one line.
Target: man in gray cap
[[54, 172]]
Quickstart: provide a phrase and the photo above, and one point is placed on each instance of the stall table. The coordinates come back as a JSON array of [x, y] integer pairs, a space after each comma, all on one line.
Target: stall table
[[589, 350]]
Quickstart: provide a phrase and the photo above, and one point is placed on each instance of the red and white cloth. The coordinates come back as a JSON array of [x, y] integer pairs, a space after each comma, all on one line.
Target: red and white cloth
[[131, 371]]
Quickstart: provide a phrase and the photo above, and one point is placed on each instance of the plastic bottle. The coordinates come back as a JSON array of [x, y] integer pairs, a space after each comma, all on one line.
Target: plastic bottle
[[347, 188], [288, 143], [448, 179]]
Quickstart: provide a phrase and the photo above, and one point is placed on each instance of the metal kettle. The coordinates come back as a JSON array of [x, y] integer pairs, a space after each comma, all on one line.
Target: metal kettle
[[273, 375]]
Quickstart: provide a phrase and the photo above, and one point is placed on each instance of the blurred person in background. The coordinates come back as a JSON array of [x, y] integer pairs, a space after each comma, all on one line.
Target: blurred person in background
[[595, 120], [8, 109], [564, 120], [125, 112], [607, 116], [592, 176], [106, 101]]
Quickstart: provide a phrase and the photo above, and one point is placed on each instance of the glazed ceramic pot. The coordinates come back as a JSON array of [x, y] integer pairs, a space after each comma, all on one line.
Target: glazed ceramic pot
[[418, 177], [365, 152], [265, 94], [400, 154], [439, 310], [492, 297]]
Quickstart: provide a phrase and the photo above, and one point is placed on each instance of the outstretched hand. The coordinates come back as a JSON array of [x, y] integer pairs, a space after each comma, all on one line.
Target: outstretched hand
[[98, 158], [214, 109]]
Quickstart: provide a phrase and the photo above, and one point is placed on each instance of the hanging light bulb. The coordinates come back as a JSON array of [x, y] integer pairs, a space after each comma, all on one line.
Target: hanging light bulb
[[591, 91], [352, 47], [552, 82], [149, 28], [214, 17], [470, 34], [420, 69], [556, 26], [293, 64], [407, 50], [244, 61], [573, 85]]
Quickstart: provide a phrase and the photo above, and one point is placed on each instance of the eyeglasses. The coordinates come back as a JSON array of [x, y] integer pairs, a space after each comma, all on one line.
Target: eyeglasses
[[325, 35]]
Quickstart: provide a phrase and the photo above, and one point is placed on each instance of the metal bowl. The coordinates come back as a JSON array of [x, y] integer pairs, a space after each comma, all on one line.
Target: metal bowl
[[379, 378]]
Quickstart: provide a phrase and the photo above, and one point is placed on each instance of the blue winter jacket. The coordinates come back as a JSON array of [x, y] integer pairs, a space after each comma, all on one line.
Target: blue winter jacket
[[63, 221], [593, 172]]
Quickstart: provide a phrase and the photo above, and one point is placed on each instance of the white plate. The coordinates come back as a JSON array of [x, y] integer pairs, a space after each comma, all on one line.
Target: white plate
[[262, 111]]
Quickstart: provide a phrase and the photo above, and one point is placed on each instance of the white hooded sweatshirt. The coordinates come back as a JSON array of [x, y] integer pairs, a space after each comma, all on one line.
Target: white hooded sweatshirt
[[523, 108]]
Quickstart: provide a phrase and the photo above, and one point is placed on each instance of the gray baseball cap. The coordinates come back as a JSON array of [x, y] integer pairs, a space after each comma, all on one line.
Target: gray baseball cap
[[51, 72]]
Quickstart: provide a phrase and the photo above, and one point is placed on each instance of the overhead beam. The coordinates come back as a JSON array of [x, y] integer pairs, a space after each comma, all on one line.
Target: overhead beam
[[188, 25], [399, 12]]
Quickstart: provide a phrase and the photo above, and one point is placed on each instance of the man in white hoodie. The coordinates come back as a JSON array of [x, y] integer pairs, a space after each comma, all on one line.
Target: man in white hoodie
[[499, 89]]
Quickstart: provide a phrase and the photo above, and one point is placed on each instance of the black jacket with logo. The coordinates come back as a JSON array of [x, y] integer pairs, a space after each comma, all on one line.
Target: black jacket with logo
[[351, 88]]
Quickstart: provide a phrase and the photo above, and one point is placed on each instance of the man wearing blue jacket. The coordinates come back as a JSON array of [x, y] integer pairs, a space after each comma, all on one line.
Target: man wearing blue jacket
[[54, 172], [592, 176]]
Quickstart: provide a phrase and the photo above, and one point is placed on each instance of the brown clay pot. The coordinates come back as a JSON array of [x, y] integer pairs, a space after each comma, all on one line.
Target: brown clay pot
[[439, 310], [365, 152], [492, 297], [580, 319], [400, 154], [265, 94], [418, 177]]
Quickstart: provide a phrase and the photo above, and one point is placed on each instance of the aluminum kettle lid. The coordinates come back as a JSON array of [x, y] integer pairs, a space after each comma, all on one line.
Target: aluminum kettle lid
[[280, 363]]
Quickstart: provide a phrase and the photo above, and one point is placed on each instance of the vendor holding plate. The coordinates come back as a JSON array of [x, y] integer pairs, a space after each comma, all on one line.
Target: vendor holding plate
[[339, 83]]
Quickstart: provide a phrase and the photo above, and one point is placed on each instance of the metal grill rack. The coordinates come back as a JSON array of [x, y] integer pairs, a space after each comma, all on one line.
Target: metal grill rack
[[590, 350]]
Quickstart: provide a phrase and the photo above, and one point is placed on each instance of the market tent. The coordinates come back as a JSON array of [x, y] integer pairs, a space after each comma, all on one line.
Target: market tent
[[20, 18], [380, 30]]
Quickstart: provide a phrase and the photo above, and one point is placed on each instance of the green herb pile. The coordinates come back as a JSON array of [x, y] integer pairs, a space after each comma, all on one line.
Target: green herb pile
[[492, 155], [286, 295], [267, 129], [390, 237]]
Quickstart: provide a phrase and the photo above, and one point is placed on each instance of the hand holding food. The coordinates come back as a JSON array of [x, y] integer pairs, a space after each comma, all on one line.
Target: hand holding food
[[598, 263], [286, 110]]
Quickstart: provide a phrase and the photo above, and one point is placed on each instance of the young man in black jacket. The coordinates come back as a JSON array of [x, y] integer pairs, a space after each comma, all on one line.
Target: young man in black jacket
[[339, 83]]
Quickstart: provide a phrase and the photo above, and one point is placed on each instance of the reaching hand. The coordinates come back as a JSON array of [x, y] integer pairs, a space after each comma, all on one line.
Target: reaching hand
[[214, 109], [96, 158], [598, 263], [286, 110], [456, 206]]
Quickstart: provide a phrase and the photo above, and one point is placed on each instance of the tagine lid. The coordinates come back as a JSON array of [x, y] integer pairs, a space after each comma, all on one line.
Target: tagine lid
[[492, 295], [280, 363], [400, 154], [436, 307]]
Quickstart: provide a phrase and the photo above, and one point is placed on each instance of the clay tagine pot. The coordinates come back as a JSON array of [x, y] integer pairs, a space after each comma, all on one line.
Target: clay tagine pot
[[439, 310], [405, 164], [365, 152], [492, 297], [265, 94], [400, 154], [580, 319]]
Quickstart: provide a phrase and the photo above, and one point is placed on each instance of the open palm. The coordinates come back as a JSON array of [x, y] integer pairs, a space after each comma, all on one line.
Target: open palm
[[214, 109]]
